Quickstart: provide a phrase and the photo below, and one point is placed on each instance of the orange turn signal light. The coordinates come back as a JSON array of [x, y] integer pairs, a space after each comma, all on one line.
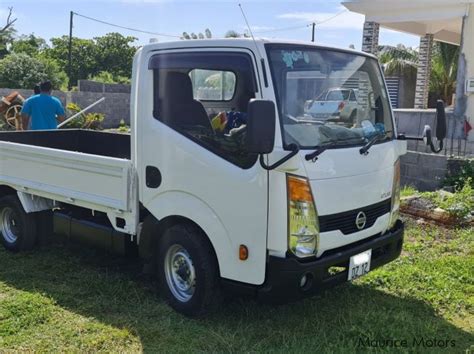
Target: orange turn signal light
[[299, 189], [243, 253]]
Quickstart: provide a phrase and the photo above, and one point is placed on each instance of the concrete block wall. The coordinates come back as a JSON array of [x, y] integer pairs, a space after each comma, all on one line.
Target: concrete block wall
[[425, 172], [115, 107]]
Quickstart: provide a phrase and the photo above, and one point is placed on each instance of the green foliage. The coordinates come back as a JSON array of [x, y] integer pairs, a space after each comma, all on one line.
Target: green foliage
[[444, 70], [85, 120], [123, 127], [30, 45], [114, 54], [408, 191], [459, 204], [111, 53], [23, 71], [459, 179], [83, 56], [399, 60], [107, 78]]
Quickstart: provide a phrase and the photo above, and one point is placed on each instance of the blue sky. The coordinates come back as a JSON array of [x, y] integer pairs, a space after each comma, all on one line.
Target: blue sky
[[50, 18]]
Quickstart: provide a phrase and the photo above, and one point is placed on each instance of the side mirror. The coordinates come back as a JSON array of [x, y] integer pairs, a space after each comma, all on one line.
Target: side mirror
[[440, 121], [261, 126]]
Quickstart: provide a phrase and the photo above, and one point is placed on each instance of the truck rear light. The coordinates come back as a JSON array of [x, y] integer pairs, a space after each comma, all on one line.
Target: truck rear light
[[341, 106], [303, 226]]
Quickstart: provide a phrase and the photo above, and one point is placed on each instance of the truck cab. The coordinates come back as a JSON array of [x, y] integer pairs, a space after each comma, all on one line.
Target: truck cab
[[231, 184], [299, 213]]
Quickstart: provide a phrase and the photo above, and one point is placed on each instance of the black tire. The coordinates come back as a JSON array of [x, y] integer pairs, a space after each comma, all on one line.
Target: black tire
[[206, 296], [353, 116], [18, 229]]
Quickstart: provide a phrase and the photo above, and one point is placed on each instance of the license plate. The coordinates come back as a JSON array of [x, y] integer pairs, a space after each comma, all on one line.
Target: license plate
[[359, 265]]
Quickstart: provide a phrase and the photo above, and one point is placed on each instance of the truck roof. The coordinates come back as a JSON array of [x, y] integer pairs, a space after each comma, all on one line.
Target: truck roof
[[243, 43]]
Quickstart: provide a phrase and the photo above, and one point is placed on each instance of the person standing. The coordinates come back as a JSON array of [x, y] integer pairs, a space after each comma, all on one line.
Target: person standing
[[44, 110]]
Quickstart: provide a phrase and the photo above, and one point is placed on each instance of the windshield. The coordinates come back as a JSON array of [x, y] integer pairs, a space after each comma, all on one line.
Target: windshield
[[328, 96]]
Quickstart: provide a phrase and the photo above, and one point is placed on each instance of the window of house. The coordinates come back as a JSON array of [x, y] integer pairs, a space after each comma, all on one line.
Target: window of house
[[204, 96]]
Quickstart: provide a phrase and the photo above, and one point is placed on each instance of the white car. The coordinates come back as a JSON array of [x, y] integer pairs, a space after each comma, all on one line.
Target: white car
[[337, 103]]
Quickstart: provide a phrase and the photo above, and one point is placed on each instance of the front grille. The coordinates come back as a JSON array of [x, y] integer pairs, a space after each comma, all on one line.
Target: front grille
[[346, 221]]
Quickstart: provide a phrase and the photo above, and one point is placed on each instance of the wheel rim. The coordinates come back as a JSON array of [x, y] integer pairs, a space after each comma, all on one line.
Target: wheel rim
[[180, 273], [9, 225], [12, 114]]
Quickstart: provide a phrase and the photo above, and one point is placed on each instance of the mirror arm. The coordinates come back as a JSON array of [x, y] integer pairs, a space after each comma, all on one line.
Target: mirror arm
[[432, 147], [294, 150], [436, 151]]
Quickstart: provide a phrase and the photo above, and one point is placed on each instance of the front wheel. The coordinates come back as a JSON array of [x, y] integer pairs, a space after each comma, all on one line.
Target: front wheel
[[188, 271], [17, 228]]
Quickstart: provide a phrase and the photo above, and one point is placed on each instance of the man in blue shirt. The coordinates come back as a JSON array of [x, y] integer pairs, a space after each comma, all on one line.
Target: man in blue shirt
[[44, 110]]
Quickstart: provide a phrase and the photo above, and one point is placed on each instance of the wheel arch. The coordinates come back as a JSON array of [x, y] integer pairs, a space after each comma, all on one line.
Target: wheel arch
[[6, 190], [173, 208]]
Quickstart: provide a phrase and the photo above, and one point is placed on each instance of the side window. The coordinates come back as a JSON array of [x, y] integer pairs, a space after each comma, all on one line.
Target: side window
[[204, 96], [213, 85]]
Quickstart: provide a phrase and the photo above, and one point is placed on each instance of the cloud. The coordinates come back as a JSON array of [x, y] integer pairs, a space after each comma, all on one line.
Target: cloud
[[329, 20]]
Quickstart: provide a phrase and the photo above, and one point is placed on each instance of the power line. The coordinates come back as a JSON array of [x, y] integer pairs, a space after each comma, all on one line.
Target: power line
[[303, 26], [127, 28]]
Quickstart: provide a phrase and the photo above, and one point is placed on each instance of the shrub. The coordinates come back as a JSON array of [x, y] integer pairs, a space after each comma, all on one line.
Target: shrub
[[86, 120], [22, 71], [459, 204], [458, 179]]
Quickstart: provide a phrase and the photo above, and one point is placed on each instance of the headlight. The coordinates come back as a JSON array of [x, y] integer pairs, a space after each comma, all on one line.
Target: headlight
[[395, 214], [303, 226]]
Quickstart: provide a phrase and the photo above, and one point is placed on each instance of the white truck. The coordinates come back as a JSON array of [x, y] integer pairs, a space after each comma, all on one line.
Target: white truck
[[267, 203]]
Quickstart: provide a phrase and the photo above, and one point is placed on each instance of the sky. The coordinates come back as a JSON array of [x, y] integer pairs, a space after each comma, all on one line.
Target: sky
[[268, 18]]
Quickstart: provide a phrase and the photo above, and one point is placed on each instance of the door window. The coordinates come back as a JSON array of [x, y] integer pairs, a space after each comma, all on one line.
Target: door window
[[204, 96]]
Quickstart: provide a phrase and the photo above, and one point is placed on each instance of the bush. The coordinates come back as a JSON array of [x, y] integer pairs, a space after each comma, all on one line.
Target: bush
[[458, 179], [107, 78], [459, 204], [86, 120], [21, 71]]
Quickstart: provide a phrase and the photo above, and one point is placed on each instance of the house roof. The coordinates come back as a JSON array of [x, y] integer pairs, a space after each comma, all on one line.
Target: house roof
[[442, 18]]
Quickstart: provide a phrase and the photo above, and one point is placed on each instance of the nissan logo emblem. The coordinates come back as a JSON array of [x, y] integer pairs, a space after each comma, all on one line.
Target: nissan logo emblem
[[361, 220]]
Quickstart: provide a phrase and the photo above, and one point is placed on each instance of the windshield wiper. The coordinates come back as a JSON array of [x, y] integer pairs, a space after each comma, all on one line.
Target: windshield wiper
[[379, 136], [313, 156]]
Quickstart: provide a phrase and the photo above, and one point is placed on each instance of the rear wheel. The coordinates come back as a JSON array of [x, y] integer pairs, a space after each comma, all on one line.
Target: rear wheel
[[187, 270], [17, 228]]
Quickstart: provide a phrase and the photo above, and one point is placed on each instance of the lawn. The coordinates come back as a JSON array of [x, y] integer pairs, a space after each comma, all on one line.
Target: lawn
[[70, 298]]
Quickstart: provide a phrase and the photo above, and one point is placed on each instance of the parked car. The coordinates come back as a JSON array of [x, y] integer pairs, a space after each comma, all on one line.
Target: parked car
[[336, 103]]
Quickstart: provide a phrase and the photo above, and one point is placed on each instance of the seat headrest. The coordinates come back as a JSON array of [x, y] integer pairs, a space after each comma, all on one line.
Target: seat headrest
[[178, 87]]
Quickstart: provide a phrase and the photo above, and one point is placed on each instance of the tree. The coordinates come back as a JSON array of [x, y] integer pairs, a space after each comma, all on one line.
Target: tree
[[31, 45], [399, 60], [444, 71], [84, 57], [23, 71], [232, 34], [108, 78], [114, 54], [208, 33], [7, 32]]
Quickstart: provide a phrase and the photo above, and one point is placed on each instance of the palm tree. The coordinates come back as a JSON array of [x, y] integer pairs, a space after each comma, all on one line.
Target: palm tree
[[444, 71], [399, 60]]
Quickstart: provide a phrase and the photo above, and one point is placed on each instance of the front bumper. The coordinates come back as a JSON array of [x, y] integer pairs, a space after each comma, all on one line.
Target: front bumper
[[283, 277]]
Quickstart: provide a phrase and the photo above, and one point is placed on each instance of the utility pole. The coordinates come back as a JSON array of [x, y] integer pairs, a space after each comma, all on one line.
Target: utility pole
[[69, 86], [314, 29]]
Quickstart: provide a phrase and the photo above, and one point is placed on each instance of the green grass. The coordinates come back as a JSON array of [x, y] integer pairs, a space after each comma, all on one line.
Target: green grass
[[408, 191], [69, 298]]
